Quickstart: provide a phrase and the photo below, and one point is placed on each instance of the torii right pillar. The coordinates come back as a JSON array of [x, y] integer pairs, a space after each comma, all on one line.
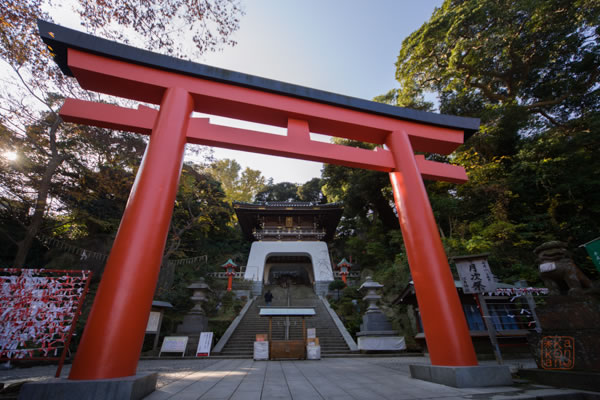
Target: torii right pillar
[[453, 358]]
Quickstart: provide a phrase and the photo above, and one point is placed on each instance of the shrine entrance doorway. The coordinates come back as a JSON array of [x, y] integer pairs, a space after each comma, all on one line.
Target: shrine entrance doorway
[[286, 270]]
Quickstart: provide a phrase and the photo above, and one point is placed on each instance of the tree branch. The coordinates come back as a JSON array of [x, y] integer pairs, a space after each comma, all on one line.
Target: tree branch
[[544, 114], [31, 90]]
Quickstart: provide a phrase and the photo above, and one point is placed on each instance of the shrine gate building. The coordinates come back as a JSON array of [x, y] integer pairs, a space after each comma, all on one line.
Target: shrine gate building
[[289, 241]]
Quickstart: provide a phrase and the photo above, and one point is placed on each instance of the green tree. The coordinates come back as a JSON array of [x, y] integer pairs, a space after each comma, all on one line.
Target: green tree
[[529, 70], [337, 285], [200, 211], [364, 193], [312, 191], [31, 98], [237, 187], [536, 56], [283, 191]]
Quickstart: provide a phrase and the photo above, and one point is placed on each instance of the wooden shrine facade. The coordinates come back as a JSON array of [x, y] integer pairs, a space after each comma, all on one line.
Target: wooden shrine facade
[[288, 220]]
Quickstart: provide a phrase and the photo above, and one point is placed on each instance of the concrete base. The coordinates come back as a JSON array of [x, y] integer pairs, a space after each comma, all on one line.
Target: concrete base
[[128, 388], [380, 343], [463, 377], [322, 287], [563, 379], [193, 323]]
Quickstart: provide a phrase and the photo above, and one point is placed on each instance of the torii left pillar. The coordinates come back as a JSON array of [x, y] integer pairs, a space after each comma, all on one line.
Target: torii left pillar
[[122, 304]]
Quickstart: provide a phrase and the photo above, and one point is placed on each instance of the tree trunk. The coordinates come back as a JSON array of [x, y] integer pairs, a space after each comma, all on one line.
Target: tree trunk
[[24, 245], [386, 212], [165, 278]]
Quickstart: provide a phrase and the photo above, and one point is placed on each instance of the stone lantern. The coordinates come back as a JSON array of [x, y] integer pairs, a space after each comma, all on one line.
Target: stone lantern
[[200, 291], [344, 268], [195, 321], [371, 297], [376, 332], [230, 269]]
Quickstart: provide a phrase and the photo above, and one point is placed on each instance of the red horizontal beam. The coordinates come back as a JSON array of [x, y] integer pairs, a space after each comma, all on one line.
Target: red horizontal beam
[[296, 144], [109, 116], [147, 84]]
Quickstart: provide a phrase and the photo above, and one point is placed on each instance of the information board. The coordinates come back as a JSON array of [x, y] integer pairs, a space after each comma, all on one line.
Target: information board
[[174, 344], [475, 275], [204, 344], [153, 322]]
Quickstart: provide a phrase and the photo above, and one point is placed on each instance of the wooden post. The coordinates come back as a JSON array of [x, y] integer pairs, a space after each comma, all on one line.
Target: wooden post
[[489, 325], [157, 335], [270, 336], [531, 304], [304, 335]]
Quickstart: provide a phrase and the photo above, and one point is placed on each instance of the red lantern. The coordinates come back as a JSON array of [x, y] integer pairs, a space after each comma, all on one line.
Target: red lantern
[[230, 268], [344, 268]]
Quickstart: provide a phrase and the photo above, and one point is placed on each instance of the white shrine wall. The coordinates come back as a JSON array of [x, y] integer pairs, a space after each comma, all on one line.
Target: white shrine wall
[[317, 252]]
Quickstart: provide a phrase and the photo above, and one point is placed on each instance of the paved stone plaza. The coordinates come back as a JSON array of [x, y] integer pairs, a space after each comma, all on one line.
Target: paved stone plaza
[[331, 378]]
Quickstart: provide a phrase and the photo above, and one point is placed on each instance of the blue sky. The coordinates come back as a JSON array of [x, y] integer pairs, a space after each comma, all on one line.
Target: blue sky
[[342, 46]]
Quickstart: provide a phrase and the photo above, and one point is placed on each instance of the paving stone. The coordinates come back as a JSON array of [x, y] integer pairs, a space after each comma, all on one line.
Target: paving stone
[[374, 378]]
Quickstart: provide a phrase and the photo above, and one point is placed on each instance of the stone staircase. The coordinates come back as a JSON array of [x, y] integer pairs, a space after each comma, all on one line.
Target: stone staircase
[[241, 342]]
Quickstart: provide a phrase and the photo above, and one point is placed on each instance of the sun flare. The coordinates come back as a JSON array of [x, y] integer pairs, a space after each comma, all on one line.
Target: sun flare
[[10, 155]]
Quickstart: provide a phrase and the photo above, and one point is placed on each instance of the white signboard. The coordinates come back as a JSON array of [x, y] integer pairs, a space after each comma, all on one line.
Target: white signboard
[[475, 275], [313, 352], [261, 350], [174, 344], [311, 333], [153, 321], [204, 344]]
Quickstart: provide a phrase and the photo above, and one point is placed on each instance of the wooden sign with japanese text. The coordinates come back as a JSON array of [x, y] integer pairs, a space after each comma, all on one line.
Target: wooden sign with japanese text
[[475, 275], [174, 344], [153, 322], [204, 344]]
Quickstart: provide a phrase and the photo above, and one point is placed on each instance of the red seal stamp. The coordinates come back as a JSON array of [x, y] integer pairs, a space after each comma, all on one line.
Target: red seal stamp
[[558, 352]]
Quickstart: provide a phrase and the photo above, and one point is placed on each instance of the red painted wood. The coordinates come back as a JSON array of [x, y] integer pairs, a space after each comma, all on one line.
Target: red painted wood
[[297, 144], [146, 84], [444, 322], [112, 340]]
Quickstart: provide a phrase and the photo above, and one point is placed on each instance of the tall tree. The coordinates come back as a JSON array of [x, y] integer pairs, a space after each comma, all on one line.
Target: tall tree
[[365, 193], [312, 191], [529, 69], [29, 103], [237, 187], [201, 210], [282, 191], [527, 62]]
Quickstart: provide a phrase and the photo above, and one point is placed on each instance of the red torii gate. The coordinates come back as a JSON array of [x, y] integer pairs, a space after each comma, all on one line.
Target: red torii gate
[[113, 337]]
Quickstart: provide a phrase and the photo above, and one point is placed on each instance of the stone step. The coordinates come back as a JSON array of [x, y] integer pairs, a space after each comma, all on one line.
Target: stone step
[[331, 340]]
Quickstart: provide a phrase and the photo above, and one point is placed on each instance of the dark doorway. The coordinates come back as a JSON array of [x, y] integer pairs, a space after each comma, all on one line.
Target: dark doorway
[[289, 270]]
